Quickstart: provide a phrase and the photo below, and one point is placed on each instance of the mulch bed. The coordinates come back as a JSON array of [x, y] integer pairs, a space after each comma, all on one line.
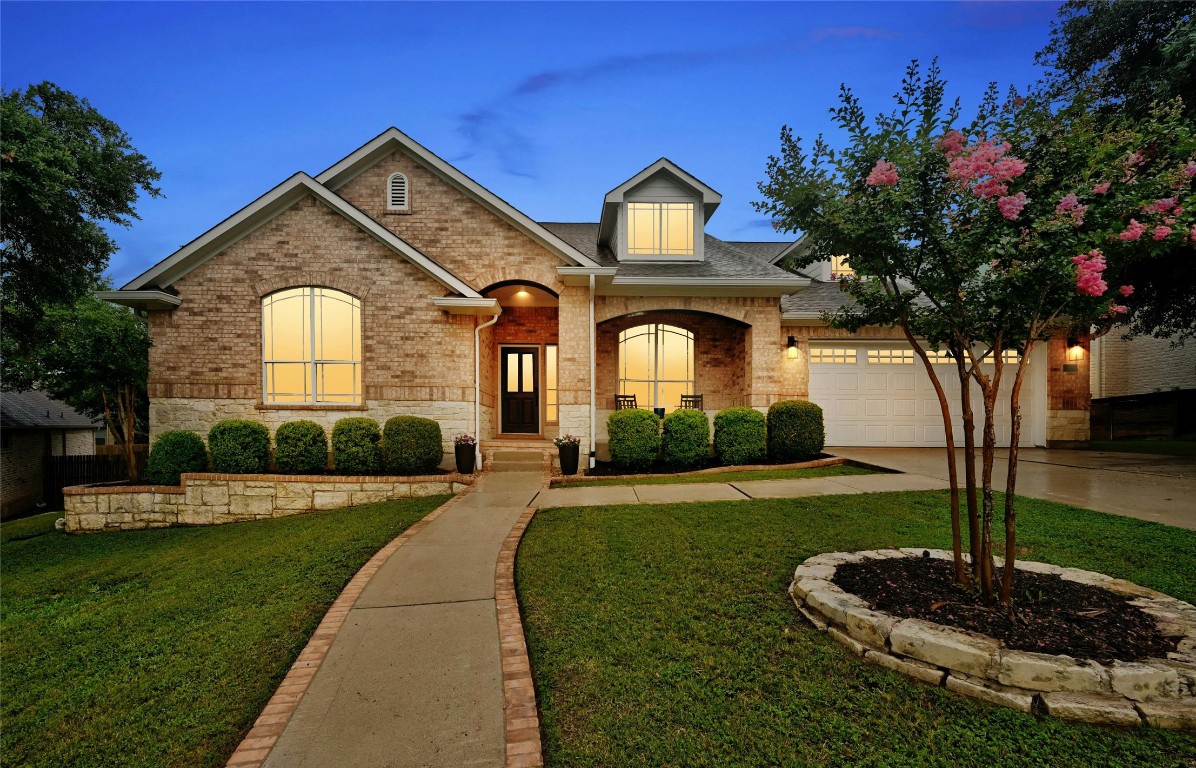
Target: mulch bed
[[1050, 615], [608, 469]]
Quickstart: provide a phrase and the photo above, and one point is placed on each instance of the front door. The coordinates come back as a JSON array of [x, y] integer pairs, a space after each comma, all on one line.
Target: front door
[[520, 390]]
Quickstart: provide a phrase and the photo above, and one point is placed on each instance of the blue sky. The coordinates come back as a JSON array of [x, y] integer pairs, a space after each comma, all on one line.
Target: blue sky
[[548, 105]]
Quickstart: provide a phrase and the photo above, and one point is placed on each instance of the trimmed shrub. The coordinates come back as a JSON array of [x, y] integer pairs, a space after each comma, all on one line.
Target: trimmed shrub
[[686, 439], [739, 436], [300, 448], [174, 454], [239, 446], [795, 430], [634, 438], [411, 445], [355, 446]]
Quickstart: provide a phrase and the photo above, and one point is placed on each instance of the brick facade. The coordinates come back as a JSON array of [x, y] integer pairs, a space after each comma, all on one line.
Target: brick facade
[[1069, 396]]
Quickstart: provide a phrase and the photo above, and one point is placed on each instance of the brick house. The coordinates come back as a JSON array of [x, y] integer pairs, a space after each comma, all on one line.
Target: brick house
[[392, 283], [32, 427]]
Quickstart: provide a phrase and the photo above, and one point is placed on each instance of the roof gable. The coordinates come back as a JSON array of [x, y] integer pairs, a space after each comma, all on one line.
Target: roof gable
[[610, 204], [268, 206], [391, 139]]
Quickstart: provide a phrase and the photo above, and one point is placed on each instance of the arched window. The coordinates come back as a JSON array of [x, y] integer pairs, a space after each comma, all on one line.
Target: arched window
[[311, 346], [656, 364], [398, 197]]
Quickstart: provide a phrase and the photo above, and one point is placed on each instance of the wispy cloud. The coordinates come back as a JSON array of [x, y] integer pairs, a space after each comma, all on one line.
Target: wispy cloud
[[756, 224], [823, 34]]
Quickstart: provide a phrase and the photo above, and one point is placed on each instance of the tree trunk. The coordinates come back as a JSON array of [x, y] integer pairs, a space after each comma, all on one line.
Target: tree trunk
[[969, 458], [989, 387], [1015, 410]]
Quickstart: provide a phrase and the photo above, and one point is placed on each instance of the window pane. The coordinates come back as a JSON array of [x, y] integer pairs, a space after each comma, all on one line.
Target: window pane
[[337, 382], [643, 228], [529, 369], [674, 355], [335, 326], [550, 366], [512, 373], [288, 382], [551, 413], [678, 228], [287, 317], [670, 393], [641, 389], [635, 352]]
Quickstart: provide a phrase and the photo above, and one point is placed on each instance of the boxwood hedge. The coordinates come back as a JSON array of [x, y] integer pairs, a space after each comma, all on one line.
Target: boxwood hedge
[[239, 446], [634, 438], [739, 436], [300, 448], [411, 445], [355, 446], [173, 454], [795, 430], [686, 439]]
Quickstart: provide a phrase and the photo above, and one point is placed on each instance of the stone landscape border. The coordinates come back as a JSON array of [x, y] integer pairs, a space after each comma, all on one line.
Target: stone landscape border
[[831, 461], [208, 498], [1157, 692]]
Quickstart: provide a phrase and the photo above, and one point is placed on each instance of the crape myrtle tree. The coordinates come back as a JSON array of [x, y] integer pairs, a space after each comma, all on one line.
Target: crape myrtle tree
[[980, 238]]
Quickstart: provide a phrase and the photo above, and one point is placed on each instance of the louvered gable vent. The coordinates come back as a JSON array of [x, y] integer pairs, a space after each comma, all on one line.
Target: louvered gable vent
[[397, 198]]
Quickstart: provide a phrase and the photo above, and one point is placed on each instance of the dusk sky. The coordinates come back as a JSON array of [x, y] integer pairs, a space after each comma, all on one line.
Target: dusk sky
[[548, 105]]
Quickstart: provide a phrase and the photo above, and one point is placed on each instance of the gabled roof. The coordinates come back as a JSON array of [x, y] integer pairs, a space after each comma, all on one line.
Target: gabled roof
[[391, 139], [36, 410], [193, 254], [614, 198]]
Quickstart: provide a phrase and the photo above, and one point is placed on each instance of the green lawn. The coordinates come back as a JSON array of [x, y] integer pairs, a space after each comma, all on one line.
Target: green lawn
[[1162, 447], [663, 636], [159, 648], [723, 477]]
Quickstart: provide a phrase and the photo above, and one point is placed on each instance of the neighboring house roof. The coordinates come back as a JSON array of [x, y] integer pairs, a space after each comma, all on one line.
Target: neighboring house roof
[[819, 297], [171, 269], [391, 139], [35, 410], [765, 251]]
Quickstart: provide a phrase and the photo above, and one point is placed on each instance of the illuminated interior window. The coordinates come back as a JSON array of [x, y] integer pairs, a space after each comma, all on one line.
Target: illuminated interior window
[[832, 355], [841, 267], [552, 411], [942, 356], [890, 357], [660, 229], [656, 364], [311, 346]]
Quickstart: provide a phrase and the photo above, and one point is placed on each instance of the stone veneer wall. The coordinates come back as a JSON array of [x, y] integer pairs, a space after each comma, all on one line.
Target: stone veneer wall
[[213, 499]]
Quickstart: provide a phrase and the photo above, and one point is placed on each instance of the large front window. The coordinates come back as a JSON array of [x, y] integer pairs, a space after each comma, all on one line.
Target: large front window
[[660, 229], [656, 364], [311, 346]]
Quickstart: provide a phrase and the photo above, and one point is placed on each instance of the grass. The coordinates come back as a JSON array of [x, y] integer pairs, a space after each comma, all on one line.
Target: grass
[[722, 477], [663, 636], [159, 648], [1161, 447]]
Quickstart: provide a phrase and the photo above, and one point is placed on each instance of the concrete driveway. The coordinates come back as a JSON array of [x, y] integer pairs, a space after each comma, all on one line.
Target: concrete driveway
[[1161, 489]]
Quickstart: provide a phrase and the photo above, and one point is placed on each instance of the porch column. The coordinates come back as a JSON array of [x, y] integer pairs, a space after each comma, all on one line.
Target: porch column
[[574, 363]]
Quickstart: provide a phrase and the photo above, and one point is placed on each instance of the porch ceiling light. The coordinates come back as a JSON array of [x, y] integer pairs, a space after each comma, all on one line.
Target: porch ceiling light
[[792, 344]]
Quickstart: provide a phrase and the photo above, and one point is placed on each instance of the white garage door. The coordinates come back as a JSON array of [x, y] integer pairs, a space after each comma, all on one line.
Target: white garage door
[[878, 393]]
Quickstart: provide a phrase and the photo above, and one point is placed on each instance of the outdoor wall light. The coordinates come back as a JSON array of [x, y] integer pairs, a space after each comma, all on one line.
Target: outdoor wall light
[[1075, 350], [792, 344]]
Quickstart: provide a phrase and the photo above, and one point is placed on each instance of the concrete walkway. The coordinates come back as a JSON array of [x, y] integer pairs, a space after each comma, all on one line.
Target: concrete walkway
[[734, 491], [1161, 489], [414, 678]]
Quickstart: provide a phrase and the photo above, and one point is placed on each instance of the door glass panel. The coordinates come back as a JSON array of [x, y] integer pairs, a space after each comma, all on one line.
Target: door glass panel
[[512, 373], [550, 377], [529, 371]]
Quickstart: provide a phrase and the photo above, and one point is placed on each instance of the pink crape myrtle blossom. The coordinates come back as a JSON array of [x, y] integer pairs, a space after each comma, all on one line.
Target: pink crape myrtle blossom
[[1192, 234], [984, 166], [1118, 309], [1011, 206], [1161, 232], [1133, 231], [1068, 203], [1190, 169], [1089, 268], [952, 143], [1102, 188], [1126, 290], [1137, 158], [883, 174], [1165, 205]]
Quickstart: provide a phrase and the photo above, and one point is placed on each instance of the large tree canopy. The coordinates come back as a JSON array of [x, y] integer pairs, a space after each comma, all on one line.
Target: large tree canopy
[[65, 171]]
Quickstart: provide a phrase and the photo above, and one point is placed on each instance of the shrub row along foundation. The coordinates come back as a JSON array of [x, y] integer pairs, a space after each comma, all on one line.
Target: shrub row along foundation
[[1158, 692], [213, 499]]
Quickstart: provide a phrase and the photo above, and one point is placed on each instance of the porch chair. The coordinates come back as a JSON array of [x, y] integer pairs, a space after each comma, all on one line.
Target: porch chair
[[692, 401], [623, 402]]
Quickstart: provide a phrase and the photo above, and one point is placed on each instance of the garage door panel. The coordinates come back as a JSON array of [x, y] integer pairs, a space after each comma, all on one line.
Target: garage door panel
[[903, 408], [876, 407], [876, 382]]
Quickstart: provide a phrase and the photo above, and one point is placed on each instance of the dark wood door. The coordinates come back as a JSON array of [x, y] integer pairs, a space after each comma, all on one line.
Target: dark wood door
[[520, 390]]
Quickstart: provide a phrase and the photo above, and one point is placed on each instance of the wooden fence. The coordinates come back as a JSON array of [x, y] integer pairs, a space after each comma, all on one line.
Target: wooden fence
[[60, 472]]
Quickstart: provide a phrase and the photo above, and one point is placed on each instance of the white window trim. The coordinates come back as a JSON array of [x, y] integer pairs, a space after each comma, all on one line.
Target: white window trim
[[312, 360], [390, 197]]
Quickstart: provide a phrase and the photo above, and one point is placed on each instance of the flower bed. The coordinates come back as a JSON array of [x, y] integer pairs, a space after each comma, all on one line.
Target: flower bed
[[213, 499], [830, 461], [1159, 691]]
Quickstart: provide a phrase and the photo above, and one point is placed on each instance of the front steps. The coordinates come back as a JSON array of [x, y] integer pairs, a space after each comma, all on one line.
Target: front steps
[[518, 455]]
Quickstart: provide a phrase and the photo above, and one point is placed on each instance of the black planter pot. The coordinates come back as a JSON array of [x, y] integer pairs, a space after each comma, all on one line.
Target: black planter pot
[[465, 458], [569, 454]]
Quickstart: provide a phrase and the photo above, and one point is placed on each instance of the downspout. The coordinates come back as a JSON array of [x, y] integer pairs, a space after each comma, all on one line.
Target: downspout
[[593, 357], [477, 385]]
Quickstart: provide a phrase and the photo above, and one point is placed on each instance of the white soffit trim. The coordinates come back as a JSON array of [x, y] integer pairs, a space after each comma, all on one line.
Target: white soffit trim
[[581, 275], [141, 299], [715, 286], [366, 156], [792, 247], [455, 305], [265, 208]]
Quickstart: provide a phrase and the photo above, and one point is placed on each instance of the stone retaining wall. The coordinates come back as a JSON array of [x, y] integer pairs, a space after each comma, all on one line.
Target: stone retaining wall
[[212, 499], [1158, 692]]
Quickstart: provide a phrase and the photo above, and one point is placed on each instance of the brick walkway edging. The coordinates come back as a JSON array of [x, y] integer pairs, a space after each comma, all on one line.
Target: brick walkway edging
[[255, 747], [521, 717]]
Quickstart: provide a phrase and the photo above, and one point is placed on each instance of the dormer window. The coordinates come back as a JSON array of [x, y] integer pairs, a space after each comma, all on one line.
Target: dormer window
[[398, 197], [841, 267], [660, 229]]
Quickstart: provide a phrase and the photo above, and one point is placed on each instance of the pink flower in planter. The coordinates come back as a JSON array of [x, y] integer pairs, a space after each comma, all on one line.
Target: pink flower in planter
[[883, 174], [1102, 188], [1011, 206], [1133, 231], [1126, 290], [1089, 268], [1161, 232]]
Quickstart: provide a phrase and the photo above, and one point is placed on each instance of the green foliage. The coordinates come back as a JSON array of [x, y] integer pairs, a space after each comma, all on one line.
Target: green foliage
[[685, 442], [795, 430], [239, 446], [173, 454], [196, 625], [67, 171], [355, 446], [634, 435], [411, 445], [740, 436], [300, 448]]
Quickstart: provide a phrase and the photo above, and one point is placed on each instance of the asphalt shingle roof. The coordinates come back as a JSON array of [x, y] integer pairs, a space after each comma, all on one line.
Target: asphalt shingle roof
[[765, 251], [819, 297], [34, 410], [722, 259]]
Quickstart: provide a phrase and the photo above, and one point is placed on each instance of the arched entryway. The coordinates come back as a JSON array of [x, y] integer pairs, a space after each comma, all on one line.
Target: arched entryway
[[520, 365]]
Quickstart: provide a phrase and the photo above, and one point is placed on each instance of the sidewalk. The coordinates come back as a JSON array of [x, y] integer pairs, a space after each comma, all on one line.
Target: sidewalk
[[414, 678], [734, 491]]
